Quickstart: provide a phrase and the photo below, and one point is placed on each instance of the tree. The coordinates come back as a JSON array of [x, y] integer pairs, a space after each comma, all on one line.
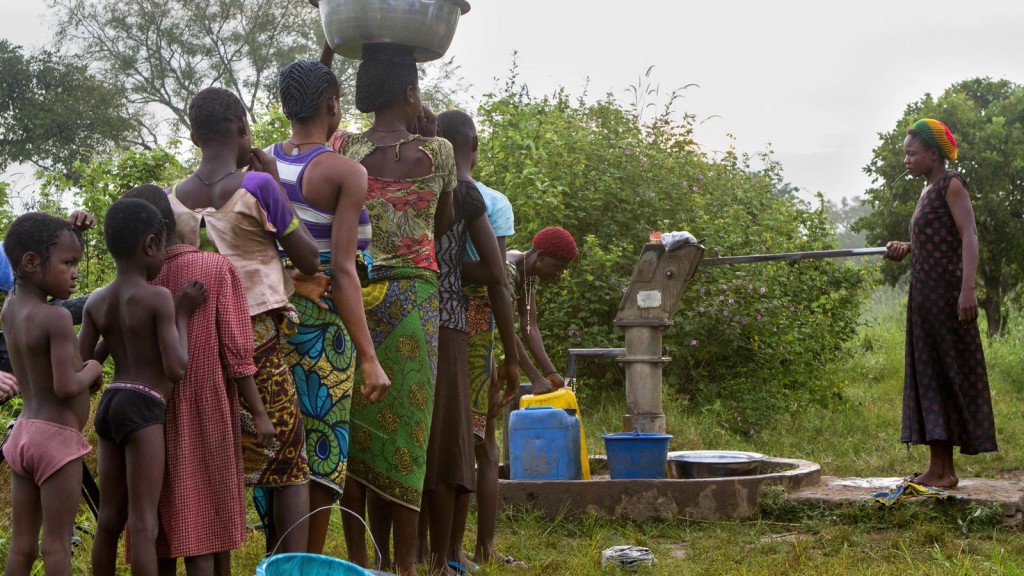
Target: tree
[[844, 214], [987, 118], [54, 113], [161, 52], [98, 183]]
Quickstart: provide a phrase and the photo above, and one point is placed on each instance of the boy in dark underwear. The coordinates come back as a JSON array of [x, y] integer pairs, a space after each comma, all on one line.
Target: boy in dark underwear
[[145, 330], [46, 447]]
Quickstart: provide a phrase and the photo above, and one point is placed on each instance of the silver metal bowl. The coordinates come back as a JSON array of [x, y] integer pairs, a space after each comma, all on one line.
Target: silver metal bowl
[[689, 464], [426, 25]]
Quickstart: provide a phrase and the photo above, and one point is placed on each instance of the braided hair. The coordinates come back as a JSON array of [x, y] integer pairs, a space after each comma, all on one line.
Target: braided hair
[[127, 222], [212, 114], [302, 85], [384, 75], [35, 232]]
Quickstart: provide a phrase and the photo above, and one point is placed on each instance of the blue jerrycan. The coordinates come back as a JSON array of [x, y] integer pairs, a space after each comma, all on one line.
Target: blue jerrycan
[[544, 444]]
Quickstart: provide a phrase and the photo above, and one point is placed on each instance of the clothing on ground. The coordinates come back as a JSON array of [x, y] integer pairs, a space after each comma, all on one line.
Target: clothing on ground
[[906, 490]]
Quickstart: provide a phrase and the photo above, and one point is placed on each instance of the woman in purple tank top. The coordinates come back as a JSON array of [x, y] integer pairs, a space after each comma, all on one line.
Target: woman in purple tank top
[[327, 192]]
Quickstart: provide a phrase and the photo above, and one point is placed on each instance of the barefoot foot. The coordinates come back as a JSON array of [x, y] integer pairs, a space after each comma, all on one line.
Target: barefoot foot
[[936, 480]]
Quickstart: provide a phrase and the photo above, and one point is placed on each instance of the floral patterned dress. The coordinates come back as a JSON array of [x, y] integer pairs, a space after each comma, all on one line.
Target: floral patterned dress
[[388, 443]]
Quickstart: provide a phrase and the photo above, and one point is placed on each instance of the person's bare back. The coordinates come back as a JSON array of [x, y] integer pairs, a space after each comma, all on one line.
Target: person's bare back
[[145, 329], [46, 446], [138, 324], [41, 338]]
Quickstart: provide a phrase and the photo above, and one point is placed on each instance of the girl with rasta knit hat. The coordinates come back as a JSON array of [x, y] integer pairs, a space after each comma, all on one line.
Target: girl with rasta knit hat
[[946, 400]]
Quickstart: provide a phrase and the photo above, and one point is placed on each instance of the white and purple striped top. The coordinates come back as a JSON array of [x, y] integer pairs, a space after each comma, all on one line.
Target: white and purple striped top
[[319, 222]]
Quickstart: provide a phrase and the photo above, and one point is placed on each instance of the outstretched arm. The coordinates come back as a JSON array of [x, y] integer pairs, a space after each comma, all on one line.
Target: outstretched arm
[[534, 342], [327, 55]]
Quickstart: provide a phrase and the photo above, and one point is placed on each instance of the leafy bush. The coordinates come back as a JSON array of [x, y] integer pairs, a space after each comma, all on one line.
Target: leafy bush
[[746, 338], [93, 187]]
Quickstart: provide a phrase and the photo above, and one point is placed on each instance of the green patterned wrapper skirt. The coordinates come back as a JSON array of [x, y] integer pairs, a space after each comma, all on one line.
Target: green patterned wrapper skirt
[[388, 449]]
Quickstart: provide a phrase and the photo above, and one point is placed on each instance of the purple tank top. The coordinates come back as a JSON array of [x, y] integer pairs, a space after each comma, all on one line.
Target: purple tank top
[[318, 221]]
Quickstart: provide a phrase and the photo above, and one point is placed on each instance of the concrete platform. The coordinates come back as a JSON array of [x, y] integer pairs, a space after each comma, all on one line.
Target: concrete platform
[[706, 498], [834, 492]]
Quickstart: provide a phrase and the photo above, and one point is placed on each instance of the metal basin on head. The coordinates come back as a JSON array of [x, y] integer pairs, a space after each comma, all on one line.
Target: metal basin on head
[[427, 26]]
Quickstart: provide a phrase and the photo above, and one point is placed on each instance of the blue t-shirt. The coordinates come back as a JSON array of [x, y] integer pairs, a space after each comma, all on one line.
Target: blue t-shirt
[[499, 213], [6, 272]]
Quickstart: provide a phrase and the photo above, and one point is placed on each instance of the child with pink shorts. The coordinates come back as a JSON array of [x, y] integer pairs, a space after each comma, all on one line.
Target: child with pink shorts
[[46, 447]]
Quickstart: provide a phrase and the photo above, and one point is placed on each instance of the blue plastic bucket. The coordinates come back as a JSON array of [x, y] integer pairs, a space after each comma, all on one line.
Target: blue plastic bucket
[[544, 444], [636, 455], [307, 565]]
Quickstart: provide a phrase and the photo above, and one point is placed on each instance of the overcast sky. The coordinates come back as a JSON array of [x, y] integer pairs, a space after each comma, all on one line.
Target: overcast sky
[[817, 80]]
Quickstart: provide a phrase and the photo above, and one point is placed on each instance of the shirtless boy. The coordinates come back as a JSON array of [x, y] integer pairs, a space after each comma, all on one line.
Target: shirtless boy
[[145, 329], [46, 447]]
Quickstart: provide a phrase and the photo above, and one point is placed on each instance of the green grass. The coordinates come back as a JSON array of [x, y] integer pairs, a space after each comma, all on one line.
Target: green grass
[[857, 435]]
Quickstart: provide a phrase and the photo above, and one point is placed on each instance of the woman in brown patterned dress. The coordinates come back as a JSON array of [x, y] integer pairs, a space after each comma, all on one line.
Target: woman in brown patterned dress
[[946, 399]]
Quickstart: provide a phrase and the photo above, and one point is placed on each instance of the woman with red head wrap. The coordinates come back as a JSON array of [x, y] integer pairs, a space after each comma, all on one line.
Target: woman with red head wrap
[[553, 250]]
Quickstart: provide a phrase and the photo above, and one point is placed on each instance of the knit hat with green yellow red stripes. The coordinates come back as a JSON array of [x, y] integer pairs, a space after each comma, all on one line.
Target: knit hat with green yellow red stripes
[[938, 135]]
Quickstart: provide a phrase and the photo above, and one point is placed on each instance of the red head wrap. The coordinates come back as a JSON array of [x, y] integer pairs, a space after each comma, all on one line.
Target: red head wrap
[[555, 242]]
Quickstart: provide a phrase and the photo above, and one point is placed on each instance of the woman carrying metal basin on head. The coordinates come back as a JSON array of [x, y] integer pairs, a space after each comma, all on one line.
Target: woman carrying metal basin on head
[[410, 184]]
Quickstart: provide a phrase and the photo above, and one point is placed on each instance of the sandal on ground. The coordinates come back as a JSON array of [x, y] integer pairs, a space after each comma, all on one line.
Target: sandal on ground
[[458, 568], [510, 561]]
